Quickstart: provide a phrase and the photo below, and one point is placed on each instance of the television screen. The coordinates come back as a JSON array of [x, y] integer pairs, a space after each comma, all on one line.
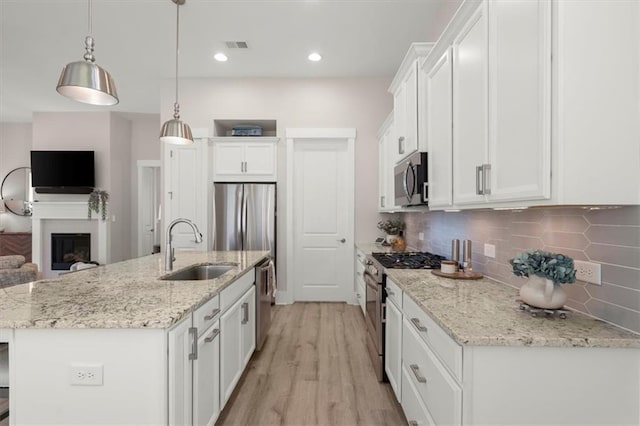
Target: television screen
[[58, 169]]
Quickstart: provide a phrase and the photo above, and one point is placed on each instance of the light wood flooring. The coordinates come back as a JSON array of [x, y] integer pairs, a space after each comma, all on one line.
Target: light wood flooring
[[314, 369]]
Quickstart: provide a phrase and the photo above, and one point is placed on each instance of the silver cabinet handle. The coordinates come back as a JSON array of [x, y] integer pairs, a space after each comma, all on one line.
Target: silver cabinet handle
[[486, 183], [212, 336], [193, 332], [401, 145], [413, 423], [245, 316], [212, 315], [382, 201], [416, 372], [359, 273], [478, 189], [390, 293], [358, 295], [416, 323]]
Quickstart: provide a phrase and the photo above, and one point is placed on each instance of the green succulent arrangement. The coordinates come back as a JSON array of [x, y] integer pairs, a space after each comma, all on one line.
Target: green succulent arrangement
[[557, 267], [391, 226], [98, 203]]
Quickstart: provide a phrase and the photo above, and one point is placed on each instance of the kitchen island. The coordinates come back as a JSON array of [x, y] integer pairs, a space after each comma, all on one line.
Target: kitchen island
[[117, 322], [470, 355]]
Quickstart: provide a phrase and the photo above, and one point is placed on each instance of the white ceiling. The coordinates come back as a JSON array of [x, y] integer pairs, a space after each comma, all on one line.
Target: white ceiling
[[135, 41]]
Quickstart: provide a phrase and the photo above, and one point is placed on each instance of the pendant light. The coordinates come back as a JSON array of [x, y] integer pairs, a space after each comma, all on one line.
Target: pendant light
[[85, 81], [176, 131]]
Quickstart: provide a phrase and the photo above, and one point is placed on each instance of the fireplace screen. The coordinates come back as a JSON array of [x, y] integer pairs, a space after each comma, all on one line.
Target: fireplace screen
[[67, 249]]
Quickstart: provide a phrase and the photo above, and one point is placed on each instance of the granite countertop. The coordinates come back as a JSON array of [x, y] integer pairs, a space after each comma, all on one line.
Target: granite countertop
[[485, 313], [126, 294]]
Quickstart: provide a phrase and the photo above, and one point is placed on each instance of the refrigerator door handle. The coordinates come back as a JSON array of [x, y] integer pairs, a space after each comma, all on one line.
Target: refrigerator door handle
[[239, 216], [243, 218]]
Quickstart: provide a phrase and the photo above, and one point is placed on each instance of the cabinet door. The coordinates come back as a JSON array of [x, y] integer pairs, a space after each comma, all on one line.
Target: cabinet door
[[185, 192], [439, 132], [470, 108], [248, 325], [260, 159], [206, 378], [410, 144], [393, 348], [519, 99], [228, 158], [230, 350], [180, 374], [382, 167], [399, 119]]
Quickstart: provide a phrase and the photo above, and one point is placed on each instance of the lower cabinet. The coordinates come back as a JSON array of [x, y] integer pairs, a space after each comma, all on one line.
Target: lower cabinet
[[237, 342], [393, 347], [412, 405], [208, 352], [361, 287], [206, 378]]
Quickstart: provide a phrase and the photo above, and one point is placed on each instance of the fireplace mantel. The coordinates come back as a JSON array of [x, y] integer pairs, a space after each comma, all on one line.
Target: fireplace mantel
[[52, 211]]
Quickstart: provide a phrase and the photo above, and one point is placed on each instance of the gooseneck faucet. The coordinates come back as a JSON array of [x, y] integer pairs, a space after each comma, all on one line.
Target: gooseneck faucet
[[169, 253]]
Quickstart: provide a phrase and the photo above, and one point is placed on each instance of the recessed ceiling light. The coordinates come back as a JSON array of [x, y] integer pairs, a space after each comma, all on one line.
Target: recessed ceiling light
[[315, 57], [220, 57]]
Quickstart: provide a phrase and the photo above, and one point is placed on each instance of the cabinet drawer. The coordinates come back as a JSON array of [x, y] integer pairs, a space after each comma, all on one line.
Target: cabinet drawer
[[412, 405], [359, 271], [394, 293], [360, 257], [438, 340], [236, 289], [437, 389], [206, 314]]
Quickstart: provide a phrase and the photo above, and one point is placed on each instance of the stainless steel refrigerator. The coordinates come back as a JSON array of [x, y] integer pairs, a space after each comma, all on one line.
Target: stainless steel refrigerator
[[244, 218]]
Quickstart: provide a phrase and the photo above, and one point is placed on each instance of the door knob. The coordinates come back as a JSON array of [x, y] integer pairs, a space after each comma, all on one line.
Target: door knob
[[342, 240]]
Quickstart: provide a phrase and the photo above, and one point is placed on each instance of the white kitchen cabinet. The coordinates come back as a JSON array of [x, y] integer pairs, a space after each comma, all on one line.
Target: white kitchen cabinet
[[185, 191], [470, 120], [248, 325], [412, 405], [181, 350], [404, 88], [436, 95], [237, 342], [206, 378], [245, 159], [393, 346], [360, 286], [387, 149], [194, 367]]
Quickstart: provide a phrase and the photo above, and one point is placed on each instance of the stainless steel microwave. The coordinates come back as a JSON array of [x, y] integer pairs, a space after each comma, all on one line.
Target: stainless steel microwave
[[411, 187]]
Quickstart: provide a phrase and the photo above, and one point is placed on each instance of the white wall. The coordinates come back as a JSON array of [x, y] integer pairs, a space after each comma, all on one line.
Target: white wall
[[361, 103], [15, 144], [120, 184]]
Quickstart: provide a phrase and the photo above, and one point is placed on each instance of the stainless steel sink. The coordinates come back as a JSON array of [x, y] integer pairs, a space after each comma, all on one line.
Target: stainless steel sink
[[205, 271]]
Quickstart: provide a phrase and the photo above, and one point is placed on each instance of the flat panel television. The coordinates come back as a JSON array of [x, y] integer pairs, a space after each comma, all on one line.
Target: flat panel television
[[63, 172]]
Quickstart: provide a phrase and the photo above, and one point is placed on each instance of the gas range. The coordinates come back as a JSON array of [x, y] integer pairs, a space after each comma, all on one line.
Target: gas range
[[408, 260]]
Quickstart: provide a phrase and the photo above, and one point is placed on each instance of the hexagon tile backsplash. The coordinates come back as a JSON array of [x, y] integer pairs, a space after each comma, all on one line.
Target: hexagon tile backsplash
[[609, 236]]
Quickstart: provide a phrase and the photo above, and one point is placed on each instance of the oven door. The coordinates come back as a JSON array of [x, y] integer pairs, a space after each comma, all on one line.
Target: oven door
[[374, 311]]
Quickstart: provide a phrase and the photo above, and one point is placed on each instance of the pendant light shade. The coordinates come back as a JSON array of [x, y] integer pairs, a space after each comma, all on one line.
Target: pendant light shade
[[85, 81], [176, 131]]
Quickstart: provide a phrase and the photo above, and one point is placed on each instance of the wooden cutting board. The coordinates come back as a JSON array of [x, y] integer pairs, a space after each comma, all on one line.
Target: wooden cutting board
[[458, 275]]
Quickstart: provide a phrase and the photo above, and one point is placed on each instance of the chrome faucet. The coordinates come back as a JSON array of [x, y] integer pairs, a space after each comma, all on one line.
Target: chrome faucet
[[169, 255]]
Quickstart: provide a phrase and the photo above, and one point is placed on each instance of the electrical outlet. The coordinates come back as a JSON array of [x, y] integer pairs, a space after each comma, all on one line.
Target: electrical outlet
[[588, 271], [86, 374], [421, 236], [490, 250]]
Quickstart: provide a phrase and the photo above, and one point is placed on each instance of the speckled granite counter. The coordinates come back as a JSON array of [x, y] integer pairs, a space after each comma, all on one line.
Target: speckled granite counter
[[120, 295], [485, 313]]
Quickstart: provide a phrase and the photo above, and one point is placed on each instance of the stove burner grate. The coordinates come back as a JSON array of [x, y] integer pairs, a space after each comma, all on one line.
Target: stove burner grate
[[408, 260]]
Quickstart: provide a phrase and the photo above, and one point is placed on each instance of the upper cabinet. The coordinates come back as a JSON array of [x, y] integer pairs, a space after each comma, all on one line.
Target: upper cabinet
[[436, 128], [533, 110], [501, 103], [386, 148], [251, 157], [244, 159], [404, 88]]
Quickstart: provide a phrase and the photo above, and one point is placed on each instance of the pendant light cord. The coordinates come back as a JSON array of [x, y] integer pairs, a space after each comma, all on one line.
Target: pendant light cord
[[90, 20], [176, 105]]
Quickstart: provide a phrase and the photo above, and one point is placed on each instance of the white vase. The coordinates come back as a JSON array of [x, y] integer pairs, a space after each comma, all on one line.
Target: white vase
[[391, 238], [542, 293]]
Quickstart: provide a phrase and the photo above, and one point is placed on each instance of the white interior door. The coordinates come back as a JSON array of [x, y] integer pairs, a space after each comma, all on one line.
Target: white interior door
[[322, 197], [148, 206]]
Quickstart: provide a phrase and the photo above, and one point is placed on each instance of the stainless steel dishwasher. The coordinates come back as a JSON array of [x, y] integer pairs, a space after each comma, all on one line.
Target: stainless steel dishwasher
[[265, 285]]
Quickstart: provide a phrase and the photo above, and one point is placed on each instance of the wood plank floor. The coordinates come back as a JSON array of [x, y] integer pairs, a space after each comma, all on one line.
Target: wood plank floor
[[314, 369]]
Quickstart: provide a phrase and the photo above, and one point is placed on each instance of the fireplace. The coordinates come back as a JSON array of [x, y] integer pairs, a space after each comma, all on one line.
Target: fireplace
[[67, 249]]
